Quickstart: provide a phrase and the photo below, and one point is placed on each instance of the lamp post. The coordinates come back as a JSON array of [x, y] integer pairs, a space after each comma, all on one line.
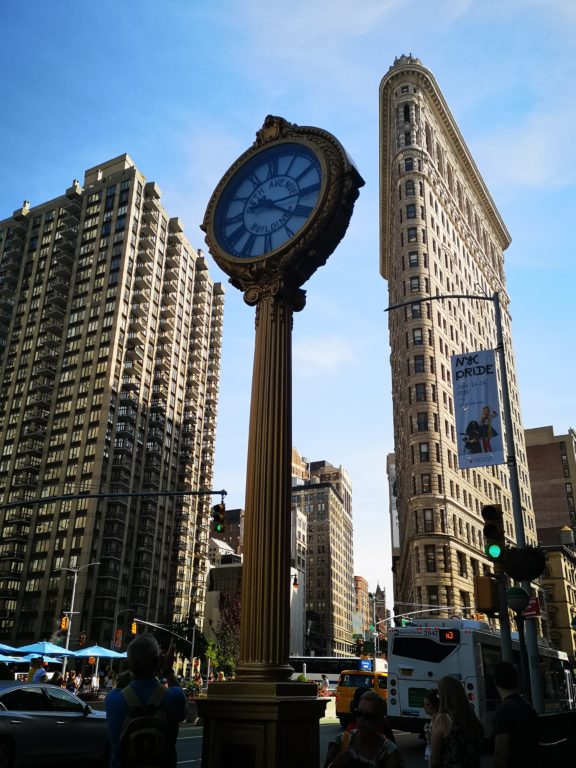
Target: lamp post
[[180, 637], [125, 610], [518, 600], [75, 571]]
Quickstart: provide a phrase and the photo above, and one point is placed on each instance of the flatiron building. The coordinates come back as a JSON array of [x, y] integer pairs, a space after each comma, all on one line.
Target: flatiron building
[[440, 234]]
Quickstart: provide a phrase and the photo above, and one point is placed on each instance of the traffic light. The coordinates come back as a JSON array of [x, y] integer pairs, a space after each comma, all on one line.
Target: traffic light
[[494, 535], [133, 628], [82, 638], [486, 595], [64, 623], [218, 518]]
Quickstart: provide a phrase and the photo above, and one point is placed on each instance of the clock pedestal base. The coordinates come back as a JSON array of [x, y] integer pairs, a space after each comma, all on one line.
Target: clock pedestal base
[[261, 725]]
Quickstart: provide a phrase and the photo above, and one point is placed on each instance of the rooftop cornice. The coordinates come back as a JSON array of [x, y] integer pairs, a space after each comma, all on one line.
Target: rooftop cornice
[[408, 65]]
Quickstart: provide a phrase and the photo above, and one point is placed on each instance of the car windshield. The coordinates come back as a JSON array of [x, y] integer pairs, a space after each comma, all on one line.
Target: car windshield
[[352, 680]]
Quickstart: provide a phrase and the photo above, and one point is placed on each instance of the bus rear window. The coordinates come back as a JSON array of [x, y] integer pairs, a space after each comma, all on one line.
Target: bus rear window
[[416, 697], [356, 681], [422, 648]]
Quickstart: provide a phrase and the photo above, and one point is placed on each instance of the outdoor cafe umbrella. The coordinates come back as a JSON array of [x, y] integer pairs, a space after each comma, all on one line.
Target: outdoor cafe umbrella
[[6, 648], [9, 659], [44, 648], [98, 652]]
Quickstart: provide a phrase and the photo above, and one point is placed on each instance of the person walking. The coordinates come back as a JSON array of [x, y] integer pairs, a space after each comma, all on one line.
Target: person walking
[[515, 726], [146, 663], [430, 705], [39, 675], [457, 733], [366, 745]]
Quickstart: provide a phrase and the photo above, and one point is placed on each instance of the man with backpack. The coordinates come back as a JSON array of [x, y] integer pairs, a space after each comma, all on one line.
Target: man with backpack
[[143, 717]]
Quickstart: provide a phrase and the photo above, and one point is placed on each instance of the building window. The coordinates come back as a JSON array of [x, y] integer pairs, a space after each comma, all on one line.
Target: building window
[[412, 234], [416, 310], [430, 551], [408, 163], [411, 211], [422, 422], [417, 336], [462, 568], [413, 259], [409, 187], [407, 139], [426, 483], [418, 363], [420, 392], [414, 284], [424, 449], [429, 520], [433, 596]]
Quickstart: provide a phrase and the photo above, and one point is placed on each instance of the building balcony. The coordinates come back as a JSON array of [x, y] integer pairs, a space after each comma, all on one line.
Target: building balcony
[[137, 323], [144, 266], [12, 551], [31, 447], [34, 429]]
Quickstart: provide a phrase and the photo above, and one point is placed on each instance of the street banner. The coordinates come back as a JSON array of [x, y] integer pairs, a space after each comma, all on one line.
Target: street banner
[[357, 622], [477, 409]]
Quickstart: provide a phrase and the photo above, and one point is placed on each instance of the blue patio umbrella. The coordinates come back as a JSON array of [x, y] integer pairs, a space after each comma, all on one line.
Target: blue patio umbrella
[[6, 648], [100, 652], [9, 659], [44, 648]]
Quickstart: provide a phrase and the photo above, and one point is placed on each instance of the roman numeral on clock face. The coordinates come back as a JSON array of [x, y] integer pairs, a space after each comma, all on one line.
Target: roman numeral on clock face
[[302, 210]]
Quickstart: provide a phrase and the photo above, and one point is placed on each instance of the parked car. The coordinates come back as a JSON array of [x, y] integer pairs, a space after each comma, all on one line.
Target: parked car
[[41, 724]]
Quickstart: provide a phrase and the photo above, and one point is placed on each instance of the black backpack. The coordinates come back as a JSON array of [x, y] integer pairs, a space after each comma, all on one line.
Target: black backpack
[[145, 738]]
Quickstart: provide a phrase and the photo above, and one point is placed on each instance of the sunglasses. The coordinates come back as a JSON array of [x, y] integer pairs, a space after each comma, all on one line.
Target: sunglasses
[[368, 716]]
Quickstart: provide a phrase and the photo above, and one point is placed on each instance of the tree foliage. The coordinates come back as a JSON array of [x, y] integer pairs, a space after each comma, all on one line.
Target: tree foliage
[[227, 647]]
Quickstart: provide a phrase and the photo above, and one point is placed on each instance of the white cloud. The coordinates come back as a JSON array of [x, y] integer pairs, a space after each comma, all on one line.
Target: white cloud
[[533, 153], [314, 356]]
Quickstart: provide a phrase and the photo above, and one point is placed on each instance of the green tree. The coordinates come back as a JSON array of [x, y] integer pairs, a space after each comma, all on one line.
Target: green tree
[[228, 634]]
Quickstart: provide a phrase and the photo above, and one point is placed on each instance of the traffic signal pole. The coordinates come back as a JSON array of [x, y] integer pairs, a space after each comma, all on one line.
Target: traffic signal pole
[[531, 639]]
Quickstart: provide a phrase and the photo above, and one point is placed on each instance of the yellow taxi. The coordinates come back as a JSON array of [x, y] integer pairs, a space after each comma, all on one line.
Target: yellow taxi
[[349, 681]]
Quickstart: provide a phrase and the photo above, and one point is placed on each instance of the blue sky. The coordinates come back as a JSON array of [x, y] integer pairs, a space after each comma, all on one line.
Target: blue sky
[[182, 86]]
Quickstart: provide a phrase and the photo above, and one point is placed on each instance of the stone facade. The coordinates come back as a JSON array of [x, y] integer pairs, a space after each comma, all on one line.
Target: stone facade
[[441, 234]]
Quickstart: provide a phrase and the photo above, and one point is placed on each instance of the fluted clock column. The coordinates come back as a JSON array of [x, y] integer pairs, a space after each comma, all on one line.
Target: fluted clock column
[[265, 626]]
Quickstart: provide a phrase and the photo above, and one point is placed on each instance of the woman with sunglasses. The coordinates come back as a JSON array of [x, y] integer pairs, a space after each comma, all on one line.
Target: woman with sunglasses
[[366, 746]]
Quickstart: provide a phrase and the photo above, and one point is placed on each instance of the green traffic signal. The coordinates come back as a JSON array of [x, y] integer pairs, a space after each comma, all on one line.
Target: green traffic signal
[[218, 518], [494, 551]]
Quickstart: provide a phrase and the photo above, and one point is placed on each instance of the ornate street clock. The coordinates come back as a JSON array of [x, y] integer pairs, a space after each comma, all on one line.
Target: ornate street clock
[[282, 207], [274, 218]]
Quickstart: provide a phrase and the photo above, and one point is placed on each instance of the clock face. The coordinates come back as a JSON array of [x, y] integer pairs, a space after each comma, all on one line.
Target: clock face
[[268, 200]]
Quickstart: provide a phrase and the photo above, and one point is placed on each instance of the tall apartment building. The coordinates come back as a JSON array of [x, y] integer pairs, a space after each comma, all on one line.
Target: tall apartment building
[[552, 466], [110, 343], [324, 494], [440, 234]]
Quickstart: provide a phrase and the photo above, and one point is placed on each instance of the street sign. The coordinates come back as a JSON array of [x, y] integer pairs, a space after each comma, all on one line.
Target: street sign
[[532, 610], [366, 665]]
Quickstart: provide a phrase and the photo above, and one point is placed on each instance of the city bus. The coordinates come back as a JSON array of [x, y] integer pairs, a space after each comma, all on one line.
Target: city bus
[[331, 666], [421, 654]]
